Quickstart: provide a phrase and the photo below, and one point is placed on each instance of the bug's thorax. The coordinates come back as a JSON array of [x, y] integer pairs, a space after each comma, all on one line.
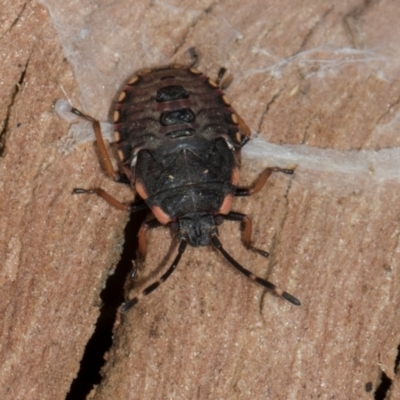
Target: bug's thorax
[[197, 228]]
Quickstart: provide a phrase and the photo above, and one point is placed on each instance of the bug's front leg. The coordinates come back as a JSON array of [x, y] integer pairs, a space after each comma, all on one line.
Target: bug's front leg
[[246, 230], [142, 242], [146, 226], [245, 219]]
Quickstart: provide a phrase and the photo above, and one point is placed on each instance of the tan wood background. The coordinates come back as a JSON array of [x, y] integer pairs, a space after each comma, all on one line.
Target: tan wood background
[[321, 80]]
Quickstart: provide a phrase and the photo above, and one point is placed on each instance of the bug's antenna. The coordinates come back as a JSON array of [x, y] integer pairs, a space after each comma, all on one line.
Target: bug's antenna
[[129, 304], [269, 285]]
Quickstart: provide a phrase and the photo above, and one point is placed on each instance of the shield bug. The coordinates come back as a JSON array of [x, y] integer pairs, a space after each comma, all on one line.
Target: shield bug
[[179, 141]]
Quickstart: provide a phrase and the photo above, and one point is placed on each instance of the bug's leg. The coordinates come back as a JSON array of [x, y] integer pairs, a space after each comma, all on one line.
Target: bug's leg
[[267, 284], [260, 182], [150, 224], [142, 245], [112, 200], [244, 129], [104, 156], [221, 73], [142, 241], [129, 304], [104, 195], [194, 55], [246, 230], [223, 80]]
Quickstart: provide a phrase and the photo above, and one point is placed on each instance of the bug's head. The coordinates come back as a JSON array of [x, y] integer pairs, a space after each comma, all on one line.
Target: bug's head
[[197, 228]]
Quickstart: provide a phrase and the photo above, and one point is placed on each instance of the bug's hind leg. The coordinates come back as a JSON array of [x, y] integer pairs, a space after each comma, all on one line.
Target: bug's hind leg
[[195, 57], [247, 227], [223, 80], [104, 156], [106, 161]]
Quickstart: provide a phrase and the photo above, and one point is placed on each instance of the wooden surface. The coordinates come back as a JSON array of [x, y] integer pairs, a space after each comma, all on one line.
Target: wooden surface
[[319, 79]]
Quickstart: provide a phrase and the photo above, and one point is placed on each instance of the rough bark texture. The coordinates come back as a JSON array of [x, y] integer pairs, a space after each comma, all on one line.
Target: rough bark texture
[[319, 74]]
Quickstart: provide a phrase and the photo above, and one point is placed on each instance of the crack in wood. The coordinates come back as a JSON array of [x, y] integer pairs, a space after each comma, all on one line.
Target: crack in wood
[[267, 107], [388, 111], [313, 29], [4, 131], [352, 22], [16, 20], [383, 388], [191, 26], [274, 243]]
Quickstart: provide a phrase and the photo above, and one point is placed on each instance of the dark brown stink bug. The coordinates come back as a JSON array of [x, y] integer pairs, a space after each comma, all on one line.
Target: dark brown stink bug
[[179, 141]]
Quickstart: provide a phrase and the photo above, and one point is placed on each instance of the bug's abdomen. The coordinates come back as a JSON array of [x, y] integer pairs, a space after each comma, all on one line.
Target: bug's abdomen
[[171, 108]]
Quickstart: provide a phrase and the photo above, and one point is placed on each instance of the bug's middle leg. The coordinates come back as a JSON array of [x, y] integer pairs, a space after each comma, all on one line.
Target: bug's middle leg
[[260, 182], [131, 208]]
